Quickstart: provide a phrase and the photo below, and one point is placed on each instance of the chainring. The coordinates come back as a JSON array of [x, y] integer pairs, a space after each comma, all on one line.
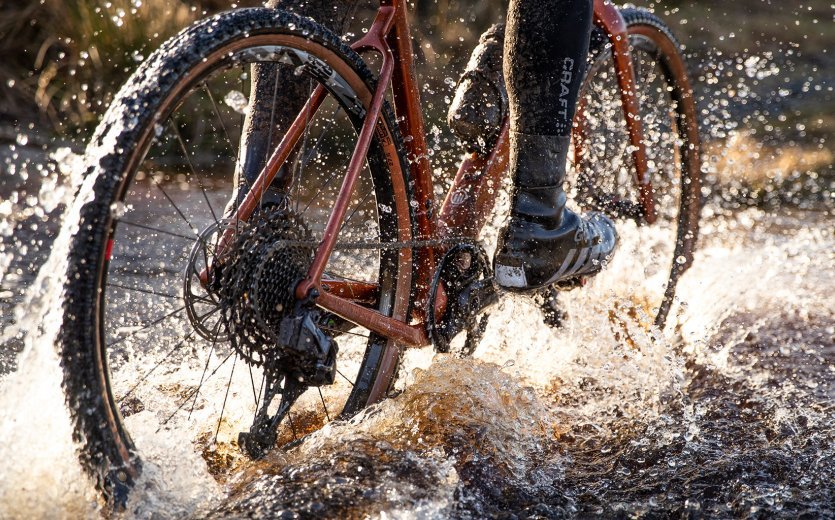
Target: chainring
[[462, 268]]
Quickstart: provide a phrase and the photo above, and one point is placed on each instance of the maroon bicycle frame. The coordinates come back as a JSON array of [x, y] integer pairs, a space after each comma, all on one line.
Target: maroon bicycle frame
[[470, 199]]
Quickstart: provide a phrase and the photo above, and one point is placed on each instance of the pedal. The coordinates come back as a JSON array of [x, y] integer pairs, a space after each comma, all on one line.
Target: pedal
[[553, 314], [480, 295], [470, 302], [571, 283], [470, 290]]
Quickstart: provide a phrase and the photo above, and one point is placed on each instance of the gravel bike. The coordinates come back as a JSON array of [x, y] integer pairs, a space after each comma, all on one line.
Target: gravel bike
[[179, 302]]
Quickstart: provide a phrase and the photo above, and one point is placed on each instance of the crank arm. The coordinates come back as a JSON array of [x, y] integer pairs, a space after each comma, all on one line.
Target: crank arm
[[481, 295]]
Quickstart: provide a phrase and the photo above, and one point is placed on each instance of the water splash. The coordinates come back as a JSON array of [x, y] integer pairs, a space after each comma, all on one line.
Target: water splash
[[40, 476], [728, 412]]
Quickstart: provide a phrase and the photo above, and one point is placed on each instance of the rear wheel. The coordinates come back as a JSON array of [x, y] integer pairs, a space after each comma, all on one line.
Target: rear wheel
[[144, 342], [604, 177]]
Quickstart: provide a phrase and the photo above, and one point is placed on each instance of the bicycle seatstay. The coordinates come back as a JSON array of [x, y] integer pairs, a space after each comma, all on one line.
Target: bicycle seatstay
[[374, 39], [608, 17]]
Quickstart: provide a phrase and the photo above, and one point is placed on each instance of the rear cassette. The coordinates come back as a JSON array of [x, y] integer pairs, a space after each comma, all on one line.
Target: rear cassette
[[256, 282]]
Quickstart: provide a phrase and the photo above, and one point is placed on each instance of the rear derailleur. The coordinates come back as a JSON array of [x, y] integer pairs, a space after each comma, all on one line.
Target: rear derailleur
[[465, 279], [307, 357]]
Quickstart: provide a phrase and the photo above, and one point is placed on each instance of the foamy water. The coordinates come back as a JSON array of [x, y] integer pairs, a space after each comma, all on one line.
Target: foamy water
[[604, 415]]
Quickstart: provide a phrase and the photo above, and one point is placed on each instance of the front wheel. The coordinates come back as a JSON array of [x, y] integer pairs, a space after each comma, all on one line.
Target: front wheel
[[604, 177], [144, 340]]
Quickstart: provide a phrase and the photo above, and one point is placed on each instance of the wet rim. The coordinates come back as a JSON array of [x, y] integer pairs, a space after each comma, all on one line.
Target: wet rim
[[649, 36]]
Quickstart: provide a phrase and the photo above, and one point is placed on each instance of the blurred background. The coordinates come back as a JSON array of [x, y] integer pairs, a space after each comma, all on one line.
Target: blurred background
[[763, 72]]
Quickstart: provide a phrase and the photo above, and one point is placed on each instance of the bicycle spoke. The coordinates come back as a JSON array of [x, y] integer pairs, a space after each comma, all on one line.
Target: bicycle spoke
[[216, 109], [318, 193], [146, 291], [300, 151], [272, 114], [330, 329], [260, 393], [309, 156], [177, 209], [201, 299], [173, 124], [189, 396], [202, 316], [325, 130], [322, 397], [205, 368], [147, 326], [358, 206], [156, 230], [344, 377], [292, 426], [252, 381], [225, 397], [159, 363]]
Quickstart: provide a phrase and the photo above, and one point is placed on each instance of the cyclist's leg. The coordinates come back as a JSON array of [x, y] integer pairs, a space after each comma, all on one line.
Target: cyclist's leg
[[545, 55], [268, 86]]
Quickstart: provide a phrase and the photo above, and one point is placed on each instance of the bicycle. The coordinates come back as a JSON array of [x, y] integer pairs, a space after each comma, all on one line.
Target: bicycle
[[272, 284]]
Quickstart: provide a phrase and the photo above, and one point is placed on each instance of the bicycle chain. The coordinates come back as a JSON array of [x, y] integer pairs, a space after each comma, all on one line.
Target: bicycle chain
[[410, 244]]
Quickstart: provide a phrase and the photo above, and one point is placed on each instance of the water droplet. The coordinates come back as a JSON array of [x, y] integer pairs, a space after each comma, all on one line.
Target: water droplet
[[236, 100]]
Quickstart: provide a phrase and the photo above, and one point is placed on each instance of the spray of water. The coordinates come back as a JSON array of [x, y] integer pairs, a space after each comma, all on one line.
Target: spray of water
[[40, 477], [727, 411]]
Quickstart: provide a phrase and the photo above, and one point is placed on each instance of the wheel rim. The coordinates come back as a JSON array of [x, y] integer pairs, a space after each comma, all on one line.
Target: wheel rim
[[159, 182], [603, 176]]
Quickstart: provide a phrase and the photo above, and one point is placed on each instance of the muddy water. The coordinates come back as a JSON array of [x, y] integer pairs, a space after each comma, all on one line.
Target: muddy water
[[728, 412]]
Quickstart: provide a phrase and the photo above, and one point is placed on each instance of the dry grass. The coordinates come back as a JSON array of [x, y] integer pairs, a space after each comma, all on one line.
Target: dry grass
[[68, 57], [745, 170], [742, 158]]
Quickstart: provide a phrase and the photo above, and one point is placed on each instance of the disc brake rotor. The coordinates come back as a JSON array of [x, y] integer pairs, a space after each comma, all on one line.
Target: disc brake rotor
[[201, 301]]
